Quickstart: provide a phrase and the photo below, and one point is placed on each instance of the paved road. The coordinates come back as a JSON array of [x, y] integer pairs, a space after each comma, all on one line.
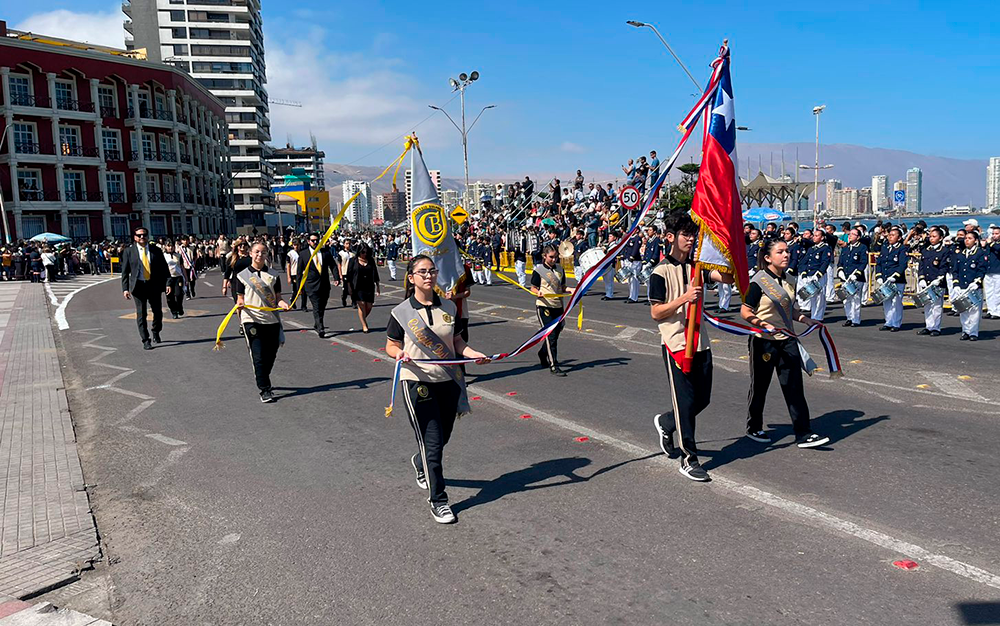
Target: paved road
[[215, 509]]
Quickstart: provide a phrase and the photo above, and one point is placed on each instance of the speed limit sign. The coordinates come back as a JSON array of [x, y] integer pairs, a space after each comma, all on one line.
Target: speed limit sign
[[628, 197]]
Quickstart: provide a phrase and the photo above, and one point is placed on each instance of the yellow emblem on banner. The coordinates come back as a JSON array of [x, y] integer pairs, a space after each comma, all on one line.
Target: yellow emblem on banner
[[459, 215], [430, 224]]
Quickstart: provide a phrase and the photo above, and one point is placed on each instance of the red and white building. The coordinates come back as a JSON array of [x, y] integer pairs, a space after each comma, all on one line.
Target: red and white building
[[96, 143]]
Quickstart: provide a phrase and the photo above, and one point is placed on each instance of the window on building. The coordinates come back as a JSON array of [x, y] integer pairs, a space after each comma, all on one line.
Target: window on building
[[29, 184], [20, 89], [164, 146], [161, 102], [148, 151], [79, 227], [143, 103], [73, 185], [107, 98], [66, 95], [69, 140], [152, 184], [180, 48], [115, 182], [175, 224], [158, 226], [24, 137], [112, 144], [177, 16], [119, 226], [32, 225]]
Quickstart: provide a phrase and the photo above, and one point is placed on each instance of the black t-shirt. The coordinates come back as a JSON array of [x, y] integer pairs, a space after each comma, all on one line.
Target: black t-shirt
[[232, 271], [242, 289], [755, 293]]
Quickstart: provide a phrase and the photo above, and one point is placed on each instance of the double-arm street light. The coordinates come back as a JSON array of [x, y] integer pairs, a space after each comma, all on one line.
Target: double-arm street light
[[464, 80], [817, 111]]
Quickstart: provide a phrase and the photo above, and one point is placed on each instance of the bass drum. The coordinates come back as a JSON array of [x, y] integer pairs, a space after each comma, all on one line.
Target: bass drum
[[589, 259]]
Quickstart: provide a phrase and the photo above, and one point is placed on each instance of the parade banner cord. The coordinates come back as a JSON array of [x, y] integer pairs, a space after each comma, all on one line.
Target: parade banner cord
[[410, 143]]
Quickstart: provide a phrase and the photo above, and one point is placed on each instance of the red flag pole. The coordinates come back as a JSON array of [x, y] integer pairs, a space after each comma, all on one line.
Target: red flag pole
[[693, 323]]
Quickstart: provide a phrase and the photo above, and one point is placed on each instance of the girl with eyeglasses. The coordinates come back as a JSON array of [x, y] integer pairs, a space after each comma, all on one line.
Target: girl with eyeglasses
[[422, 327]]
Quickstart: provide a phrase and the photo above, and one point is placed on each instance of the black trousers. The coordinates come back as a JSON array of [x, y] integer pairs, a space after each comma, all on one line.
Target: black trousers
[[262, 342], [345, 293], [550, 347], [432, 408], [192, 280], [175, 299], [690, 394], [318, 299], [766, 357], [146, 298], [295, 290]]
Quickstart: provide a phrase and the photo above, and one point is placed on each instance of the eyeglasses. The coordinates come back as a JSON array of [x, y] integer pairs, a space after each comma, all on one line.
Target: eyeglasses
[[141, 235], [426, 273]]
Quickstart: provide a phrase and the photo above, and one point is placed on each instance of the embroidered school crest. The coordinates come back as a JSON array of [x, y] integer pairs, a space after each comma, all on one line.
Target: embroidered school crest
[[447, 318], [423, 391], [766, 356], [430, 223]]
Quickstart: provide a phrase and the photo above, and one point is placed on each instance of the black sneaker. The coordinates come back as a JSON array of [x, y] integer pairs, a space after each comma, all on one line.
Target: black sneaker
[[418, 467], [923, 331], [964, 337], [266, 396], [694, 471], [146, 345], [973, 337], [894, 329], [156, 338], [848, 323], [759, 436], [666, 438], [555, 371], [935, 333], [885, 327], [812, 440], [442, 513]]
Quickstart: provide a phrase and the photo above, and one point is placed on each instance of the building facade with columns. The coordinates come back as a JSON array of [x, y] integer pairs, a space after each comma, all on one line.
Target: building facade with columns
[[98, 143]]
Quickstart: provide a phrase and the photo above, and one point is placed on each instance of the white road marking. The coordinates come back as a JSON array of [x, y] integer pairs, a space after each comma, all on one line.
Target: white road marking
[[156, 474], [952, 386], [487, 308], [208, 283], [815, 516], [627, 333], [170, 441], [60, 314], [229, 539], [131, 415]]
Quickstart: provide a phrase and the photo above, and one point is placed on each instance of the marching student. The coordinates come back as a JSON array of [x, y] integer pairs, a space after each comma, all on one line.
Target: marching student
[[434, 394], [363, 276], [632, 254], [853, 261], [295, 260], [934, 267], [670, 295], [609, 273], [891, 268], [991, 284], [176, 280], [548, 280], [256, 287], [769, 304], [391, 256], [816, 263], [970, 269]]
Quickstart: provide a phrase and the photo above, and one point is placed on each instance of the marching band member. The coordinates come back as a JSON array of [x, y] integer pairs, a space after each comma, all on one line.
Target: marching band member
[[652, 251], [175, 264], [257, 287], [547, 280], [768, 304], [991, 285], [391, 256], [670, 295], [817, 260], [891, 268], [609, 272], [970, 270], [485, 259], [934, 265], [853, 261], [434, 394], [632, 254], [521, 258]]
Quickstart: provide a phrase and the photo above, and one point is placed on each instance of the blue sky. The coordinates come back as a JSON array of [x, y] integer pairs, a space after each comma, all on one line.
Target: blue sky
[[575, 86]]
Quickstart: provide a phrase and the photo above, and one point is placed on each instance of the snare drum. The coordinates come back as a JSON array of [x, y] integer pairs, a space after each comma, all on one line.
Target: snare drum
[[589, 259], [846, 290], [967, 301], [886, 291], [625, 273], [808, 289], [929, 295], [645, 273]]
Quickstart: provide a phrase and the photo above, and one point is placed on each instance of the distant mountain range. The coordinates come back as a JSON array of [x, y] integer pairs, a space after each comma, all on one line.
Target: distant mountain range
[[946, 181]]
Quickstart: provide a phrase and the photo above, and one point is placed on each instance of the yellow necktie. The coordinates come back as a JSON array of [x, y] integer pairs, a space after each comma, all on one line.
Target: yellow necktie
[[145, 263], [316, 260]]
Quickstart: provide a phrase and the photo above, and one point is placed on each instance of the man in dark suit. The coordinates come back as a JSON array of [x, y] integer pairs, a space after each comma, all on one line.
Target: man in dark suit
[[144, 278], [317, 279]]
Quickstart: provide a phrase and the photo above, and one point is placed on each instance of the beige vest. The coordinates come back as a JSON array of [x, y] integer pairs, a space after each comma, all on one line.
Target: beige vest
[[673, 328], [250, 298], [551, 284], [768, 311], [444, 327]]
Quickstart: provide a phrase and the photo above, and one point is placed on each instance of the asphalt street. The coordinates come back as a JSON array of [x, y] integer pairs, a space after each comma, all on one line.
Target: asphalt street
[[216, 509]]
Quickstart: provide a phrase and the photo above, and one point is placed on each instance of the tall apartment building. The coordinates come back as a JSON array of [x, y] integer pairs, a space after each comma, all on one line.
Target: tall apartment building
[[394, 207], [310, 160], [880, 193], [360, 212], [865, 201], [832, 186], [435, 176], [914, 190], [221, 44], [474, 196], [993, 184], [449, 198]]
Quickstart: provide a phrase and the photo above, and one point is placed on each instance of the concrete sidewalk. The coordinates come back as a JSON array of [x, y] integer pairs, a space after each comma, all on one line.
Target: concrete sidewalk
[[47, 532]]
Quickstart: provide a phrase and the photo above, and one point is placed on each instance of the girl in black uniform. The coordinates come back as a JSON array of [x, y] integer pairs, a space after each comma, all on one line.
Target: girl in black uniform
[[548, 281], [768, 305], [363, 276], [423, 326]]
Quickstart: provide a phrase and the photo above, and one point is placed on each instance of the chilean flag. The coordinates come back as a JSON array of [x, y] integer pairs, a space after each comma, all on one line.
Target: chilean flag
[[716, 206]]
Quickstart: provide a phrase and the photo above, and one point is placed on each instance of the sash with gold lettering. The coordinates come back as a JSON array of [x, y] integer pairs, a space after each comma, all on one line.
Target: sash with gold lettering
[[263, 291], [433, 347], [777, 294]]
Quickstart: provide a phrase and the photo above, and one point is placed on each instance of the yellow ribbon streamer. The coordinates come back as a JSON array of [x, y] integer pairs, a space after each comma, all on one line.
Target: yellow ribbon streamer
[[411, 142]]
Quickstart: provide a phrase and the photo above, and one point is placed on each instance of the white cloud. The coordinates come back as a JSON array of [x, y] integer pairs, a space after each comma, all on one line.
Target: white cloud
[[357, 99], [104, 28], [574, 148]]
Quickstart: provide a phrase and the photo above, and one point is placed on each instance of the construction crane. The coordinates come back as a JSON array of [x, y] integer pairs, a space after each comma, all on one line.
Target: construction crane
[[287, 103]]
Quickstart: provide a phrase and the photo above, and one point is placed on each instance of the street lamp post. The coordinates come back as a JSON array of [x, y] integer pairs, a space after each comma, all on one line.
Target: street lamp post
[[667, 46], [817, 111], [3, 211], [464, 80]]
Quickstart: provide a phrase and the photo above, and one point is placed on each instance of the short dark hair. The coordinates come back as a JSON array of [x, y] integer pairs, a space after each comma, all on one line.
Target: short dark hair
[[679, 221]]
